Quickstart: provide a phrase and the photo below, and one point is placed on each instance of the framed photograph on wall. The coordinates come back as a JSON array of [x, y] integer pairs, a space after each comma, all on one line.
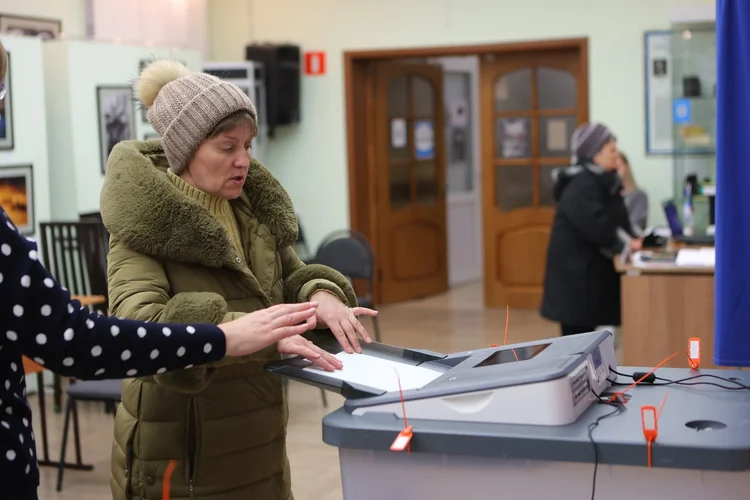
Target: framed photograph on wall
[[46, 29], [115, 115], [17, 196], [6, 111]]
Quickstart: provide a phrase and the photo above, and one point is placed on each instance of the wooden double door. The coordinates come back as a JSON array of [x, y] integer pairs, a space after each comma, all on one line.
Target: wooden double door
[[531, 102]]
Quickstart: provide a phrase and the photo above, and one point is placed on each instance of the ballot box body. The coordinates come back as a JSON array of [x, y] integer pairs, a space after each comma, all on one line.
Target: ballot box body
[[702, 451]]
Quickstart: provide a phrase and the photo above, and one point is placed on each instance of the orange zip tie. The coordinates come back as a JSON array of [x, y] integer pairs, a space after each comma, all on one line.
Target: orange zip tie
[[507, 324], [661, 406], [165, 493], [403, 439], [620, 395], [649, 421], [694, 352]]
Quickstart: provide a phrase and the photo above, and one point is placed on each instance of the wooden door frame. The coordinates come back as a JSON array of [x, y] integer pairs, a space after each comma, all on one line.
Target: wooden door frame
[[358, 80]]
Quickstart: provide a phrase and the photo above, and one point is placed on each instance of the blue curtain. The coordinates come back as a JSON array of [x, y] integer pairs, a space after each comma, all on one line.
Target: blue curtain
[[732, 297]]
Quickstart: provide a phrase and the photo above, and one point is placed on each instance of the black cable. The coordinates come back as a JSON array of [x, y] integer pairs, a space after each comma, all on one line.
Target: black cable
[[648, 379], [618, 407], [736, 386]]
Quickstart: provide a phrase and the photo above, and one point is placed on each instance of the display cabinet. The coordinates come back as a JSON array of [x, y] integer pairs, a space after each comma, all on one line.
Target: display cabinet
[[693, 81]]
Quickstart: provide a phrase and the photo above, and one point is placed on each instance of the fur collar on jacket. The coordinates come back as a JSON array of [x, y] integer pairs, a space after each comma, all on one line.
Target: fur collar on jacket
[[142, 207]]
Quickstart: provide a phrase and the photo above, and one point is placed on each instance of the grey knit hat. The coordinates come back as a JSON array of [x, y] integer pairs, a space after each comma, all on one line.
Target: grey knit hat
[[588, 140], [184, 107]]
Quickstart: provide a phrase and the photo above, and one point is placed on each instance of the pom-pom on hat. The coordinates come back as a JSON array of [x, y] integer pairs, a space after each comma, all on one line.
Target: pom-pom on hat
[[184, 107]]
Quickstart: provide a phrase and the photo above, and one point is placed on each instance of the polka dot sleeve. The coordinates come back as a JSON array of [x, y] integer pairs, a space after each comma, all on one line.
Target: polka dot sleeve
[[38, 314]]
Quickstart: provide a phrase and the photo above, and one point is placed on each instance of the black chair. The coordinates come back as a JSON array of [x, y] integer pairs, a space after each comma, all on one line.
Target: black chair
[[108, 392], [350, 253], [76, 255]]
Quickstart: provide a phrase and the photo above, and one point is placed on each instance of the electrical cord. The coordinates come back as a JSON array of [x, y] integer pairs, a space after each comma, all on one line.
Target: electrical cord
[[652, 379], [647, 378], [618, 407]]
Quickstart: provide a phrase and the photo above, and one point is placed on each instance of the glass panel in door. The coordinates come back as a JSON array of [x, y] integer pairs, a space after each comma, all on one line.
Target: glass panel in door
[[400, 186], [556, 89], [423, 95], [426, 183], [512, 138], [513, 91], [515, 187], [399, 143]]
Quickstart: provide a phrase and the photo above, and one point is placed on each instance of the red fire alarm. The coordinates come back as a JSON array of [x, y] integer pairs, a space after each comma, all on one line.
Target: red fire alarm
[[315, 63]]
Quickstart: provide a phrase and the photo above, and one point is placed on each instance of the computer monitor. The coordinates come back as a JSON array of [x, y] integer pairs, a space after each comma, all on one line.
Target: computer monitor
[[673, 219]]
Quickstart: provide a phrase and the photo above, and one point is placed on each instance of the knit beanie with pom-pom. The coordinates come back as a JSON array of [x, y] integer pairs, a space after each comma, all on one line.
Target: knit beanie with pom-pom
[[184, 107]]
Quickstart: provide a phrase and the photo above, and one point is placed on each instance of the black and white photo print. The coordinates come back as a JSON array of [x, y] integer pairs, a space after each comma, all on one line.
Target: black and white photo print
[[115, 107], [6, 111]]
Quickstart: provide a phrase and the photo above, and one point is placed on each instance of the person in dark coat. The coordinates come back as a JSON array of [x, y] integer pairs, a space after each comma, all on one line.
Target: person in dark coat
[[591, 227]]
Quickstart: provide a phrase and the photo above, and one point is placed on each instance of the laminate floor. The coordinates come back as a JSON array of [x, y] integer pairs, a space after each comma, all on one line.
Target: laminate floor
[[446, 323]]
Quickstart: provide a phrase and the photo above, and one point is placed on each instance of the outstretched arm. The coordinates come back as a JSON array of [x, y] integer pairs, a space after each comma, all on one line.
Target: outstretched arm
[[139, 290], [338, 310], [55, 331]]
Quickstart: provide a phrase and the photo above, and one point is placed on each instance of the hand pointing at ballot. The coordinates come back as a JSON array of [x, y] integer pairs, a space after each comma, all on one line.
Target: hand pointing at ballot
[[302, 347], [342, 320], [257, 330]]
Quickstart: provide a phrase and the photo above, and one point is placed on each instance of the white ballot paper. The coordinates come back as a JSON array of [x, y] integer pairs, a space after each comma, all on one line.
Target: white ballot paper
[[380, 373]]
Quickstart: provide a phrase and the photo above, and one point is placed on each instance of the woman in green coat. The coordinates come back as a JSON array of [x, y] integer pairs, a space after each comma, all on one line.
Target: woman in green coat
[[202, 233]]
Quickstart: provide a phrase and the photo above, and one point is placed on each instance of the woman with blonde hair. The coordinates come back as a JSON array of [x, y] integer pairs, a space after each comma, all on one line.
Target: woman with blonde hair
[[636, 200]]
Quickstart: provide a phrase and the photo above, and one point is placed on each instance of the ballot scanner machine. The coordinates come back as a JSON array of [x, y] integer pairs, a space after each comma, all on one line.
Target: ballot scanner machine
[[549, 382], [526, 421]]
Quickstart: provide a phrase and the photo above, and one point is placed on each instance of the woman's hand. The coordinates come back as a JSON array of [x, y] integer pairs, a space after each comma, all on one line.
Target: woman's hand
[[342, 320], [257, 330], [303, 347], [636, 244]]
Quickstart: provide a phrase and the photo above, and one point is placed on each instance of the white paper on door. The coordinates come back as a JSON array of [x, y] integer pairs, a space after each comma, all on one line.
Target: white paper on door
[[379, 373], [398, 133], [557, 135]]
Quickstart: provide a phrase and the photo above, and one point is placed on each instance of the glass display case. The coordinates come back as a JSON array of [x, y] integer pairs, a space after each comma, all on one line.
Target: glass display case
[[693, 60]]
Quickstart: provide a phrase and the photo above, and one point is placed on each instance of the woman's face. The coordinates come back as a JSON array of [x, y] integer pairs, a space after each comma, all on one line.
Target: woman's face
[[219, 166], [608, 157]]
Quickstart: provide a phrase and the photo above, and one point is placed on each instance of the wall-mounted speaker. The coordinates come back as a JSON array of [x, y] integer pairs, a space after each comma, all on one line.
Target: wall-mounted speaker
[[281, 64]]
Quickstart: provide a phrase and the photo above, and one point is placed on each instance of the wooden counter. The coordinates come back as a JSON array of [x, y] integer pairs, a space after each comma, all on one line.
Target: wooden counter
[[663, 305]]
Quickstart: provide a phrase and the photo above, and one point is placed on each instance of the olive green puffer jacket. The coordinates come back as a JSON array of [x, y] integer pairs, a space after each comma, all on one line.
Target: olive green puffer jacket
[[170, 260]]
